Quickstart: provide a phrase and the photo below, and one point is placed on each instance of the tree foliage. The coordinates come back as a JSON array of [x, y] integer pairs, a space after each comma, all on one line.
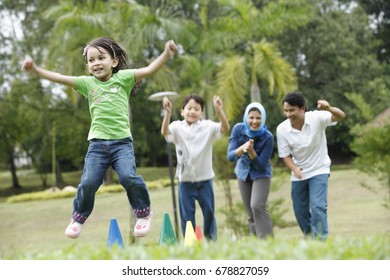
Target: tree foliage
[[379, 13], [241, 50], [335, 59], [373, 154]]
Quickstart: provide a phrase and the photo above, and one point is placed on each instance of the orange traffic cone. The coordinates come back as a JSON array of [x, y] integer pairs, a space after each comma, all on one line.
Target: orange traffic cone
[[198, 234]]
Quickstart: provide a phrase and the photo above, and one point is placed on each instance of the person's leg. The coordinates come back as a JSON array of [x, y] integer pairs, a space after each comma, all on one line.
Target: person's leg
[[206, 202], [95, 165], [186, 197], [300, 199], [262, 220], [245, 189], [318, 186], [123, 162]]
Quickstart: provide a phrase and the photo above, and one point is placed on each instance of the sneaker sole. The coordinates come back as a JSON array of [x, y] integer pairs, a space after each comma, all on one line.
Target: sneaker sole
[[72, 236], [140, 234]]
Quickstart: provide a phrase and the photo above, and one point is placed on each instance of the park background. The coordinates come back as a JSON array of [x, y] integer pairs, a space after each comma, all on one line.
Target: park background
[[243, 51]]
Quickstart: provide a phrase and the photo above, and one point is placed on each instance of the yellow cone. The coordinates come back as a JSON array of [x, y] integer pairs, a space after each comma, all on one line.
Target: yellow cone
[[190, 237]]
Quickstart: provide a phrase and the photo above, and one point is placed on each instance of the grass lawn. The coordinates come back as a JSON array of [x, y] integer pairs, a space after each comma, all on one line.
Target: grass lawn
[[37, 227], [30, 181]]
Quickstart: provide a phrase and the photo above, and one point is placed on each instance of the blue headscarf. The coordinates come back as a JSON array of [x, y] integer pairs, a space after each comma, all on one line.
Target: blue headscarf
[[263, 128]]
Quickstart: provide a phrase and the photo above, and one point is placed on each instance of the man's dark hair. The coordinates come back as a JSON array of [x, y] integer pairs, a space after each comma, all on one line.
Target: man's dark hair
[[295, 99]]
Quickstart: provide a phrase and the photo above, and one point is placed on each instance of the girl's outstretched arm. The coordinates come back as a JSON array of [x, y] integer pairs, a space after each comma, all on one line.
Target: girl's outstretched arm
[[169, 51], [29, 66]]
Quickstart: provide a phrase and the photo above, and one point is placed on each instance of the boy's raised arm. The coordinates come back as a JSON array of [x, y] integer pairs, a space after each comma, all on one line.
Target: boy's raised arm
[[167, 116], [225, 126]]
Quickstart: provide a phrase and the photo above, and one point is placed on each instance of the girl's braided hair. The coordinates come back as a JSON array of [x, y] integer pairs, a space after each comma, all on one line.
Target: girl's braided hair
[[113, 48]]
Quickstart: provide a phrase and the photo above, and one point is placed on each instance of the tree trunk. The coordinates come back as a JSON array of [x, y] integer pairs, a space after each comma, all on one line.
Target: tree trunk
[[255, 93], [12, 168], [59, 178], [43, 177], [255, 89]]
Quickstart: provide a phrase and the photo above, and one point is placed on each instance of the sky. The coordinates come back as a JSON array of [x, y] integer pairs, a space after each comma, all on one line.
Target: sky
[[10, 24]]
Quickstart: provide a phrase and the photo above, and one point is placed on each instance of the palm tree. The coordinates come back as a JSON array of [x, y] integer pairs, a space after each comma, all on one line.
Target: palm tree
[[249, 59], [139, 29], [240, 74], [75, 23]]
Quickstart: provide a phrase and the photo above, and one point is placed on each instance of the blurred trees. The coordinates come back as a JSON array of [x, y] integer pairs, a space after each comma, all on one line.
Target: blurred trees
[[379, 19], [335, 59], [237, 49], [373, 150]]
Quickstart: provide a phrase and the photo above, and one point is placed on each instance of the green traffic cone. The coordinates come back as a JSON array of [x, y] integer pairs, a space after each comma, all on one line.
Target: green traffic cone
[[167, 236]]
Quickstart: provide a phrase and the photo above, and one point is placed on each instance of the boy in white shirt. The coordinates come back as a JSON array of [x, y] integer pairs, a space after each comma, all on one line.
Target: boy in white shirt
[[193, 138]]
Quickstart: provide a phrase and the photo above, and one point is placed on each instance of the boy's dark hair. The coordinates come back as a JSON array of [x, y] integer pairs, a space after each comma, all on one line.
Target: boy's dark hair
[[197, 99], [115, 50], [295, 99]]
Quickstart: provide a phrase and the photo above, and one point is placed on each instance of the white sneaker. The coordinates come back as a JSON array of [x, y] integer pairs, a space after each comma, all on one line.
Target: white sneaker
[[142, 227], [74, 229]]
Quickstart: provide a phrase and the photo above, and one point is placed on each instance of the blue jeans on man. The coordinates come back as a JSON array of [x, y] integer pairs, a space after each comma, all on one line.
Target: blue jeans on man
[[203, 192], [310, 204]]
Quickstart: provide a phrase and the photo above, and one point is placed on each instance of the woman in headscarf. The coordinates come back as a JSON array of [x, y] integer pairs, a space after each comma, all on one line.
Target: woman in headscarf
[[251, 146]]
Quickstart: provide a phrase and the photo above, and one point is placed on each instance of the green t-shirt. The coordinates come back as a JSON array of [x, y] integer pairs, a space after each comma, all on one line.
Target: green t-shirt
[[108, 104]]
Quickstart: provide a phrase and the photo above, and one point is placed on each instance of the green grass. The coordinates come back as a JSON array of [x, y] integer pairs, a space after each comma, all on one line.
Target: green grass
[[359, 228], [31, 181]]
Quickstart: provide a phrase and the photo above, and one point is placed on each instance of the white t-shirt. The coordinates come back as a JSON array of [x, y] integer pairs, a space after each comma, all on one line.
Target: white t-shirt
[[307, 147], [194, 144]]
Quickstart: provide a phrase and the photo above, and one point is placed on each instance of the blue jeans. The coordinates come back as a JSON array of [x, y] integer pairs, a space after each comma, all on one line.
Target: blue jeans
[[203, 192], [310, 204], [120, 155]]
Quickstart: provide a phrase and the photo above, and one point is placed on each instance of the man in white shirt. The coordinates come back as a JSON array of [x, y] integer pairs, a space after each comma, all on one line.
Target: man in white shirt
[[302, 146]]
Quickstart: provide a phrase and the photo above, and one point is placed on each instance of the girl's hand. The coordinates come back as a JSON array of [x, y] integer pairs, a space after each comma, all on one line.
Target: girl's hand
[[171, 47], [28, 64], [167, 104]]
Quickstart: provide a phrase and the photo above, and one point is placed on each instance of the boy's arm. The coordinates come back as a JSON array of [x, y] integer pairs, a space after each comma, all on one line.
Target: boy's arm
[[225, 126], [167, 116], [169, 51], [29, 66]]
